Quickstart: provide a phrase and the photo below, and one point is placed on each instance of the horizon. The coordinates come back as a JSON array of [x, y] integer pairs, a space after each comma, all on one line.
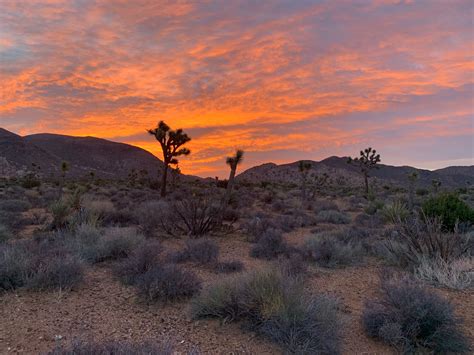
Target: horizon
[[241, 170], [283, 81]]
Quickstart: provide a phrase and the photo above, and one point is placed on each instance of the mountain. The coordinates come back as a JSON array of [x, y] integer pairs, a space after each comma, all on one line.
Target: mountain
[[16, 155], [84, 154], [338, 169]]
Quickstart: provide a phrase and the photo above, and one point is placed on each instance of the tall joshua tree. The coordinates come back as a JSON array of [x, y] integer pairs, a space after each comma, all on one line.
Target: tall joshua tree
[[171, 142], [233, 162], [366, 162]]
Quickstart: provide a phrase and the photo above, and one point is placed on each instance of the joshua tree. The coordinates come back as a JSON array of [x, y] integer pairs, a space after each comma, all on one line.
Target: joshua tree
[[233, 162], [412, 178], [436, 185], [170, 142], [367, 161], [64, 170], [319, 182], [304, 168]]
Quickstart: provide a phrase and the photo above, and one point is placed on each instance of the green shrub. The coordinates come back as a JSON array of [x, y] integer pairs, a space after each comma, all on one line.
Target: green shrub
[[276, 307], [414, 320], [450, 209]]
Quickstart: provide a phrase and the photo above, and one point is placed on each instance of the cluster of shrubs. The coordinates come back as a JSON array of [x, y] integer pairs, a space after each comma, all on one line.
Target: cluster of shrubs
[[204, 251], [38, 266], [155, 279], [421, 244], [333, 249], [414, 320], [276, 306]]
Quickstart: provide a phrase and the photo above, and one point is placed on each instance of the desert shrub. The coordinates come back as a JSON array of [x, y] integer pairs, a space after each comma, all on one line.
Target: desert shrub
[[420, 237], [58, 272], [257, 225], [332, 216], [15, 266], [369, 221], [269, 246], [114, 348], [329, 251], [228, 267], [193, 216], [457, 274], [141, 260], [150, 216], [167, 282], [414, 320], [422, 192], [276, 307], [326, 205], [450, 209], [5, 233], [201, 251], [295, 218], [395, 212], [60, 210], [197, 216], [38, 266], [30, 181], [14, 205], [117, 243], [294, 265]]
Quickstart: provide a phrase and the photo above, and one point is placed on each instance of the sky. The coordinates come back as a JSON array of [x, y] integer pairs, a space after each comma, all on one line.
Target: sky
[[282, 80]]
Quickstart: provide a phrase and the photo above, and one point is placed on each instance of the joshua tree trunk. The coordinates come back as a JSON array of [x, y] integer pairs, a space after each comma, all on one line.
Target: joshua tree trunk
[[366, 179], [163, 180], [411, 197], [230, 186]]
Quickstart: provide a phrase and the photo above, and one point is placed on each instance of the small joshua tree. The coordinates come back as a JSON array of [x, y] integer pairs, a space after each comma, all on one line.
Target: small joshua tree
[[412, 178], [303, 168], [436, 185], [64, 170], [171, 142], [319, 182], [367, 161], [233, 162]]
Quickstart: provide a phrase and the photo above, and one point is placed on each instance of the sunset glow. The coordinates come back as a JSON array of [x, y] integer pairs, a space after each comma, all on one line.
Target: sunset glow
[[282, 80]]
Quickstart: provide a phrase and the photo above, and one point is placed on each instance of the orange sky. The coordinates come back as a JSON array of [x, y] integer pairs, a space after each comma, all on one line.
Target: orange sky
[[283, 80]]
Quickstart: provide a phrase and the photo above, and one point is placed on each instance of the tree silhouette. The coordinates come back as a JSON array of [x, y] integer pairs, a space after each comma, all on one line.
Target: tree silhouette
[[304, 168], [170, 142], [233, 162], [366, 161]]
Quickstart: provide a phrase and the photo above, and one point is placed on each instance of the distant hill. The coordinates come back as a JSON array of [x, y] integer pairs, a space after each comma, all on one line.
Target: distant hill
[[116, 160], [338, 168], [84, 154]]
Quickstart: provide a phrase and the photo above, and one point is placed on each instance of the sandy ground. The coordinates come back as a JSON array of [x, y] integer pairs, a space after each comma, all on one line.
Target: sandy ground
[[104, 309]]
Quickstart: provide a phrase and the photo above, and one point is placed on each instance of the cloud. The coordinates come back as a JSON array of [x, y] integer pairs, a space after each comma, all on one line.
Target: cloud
[[280, 79]]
